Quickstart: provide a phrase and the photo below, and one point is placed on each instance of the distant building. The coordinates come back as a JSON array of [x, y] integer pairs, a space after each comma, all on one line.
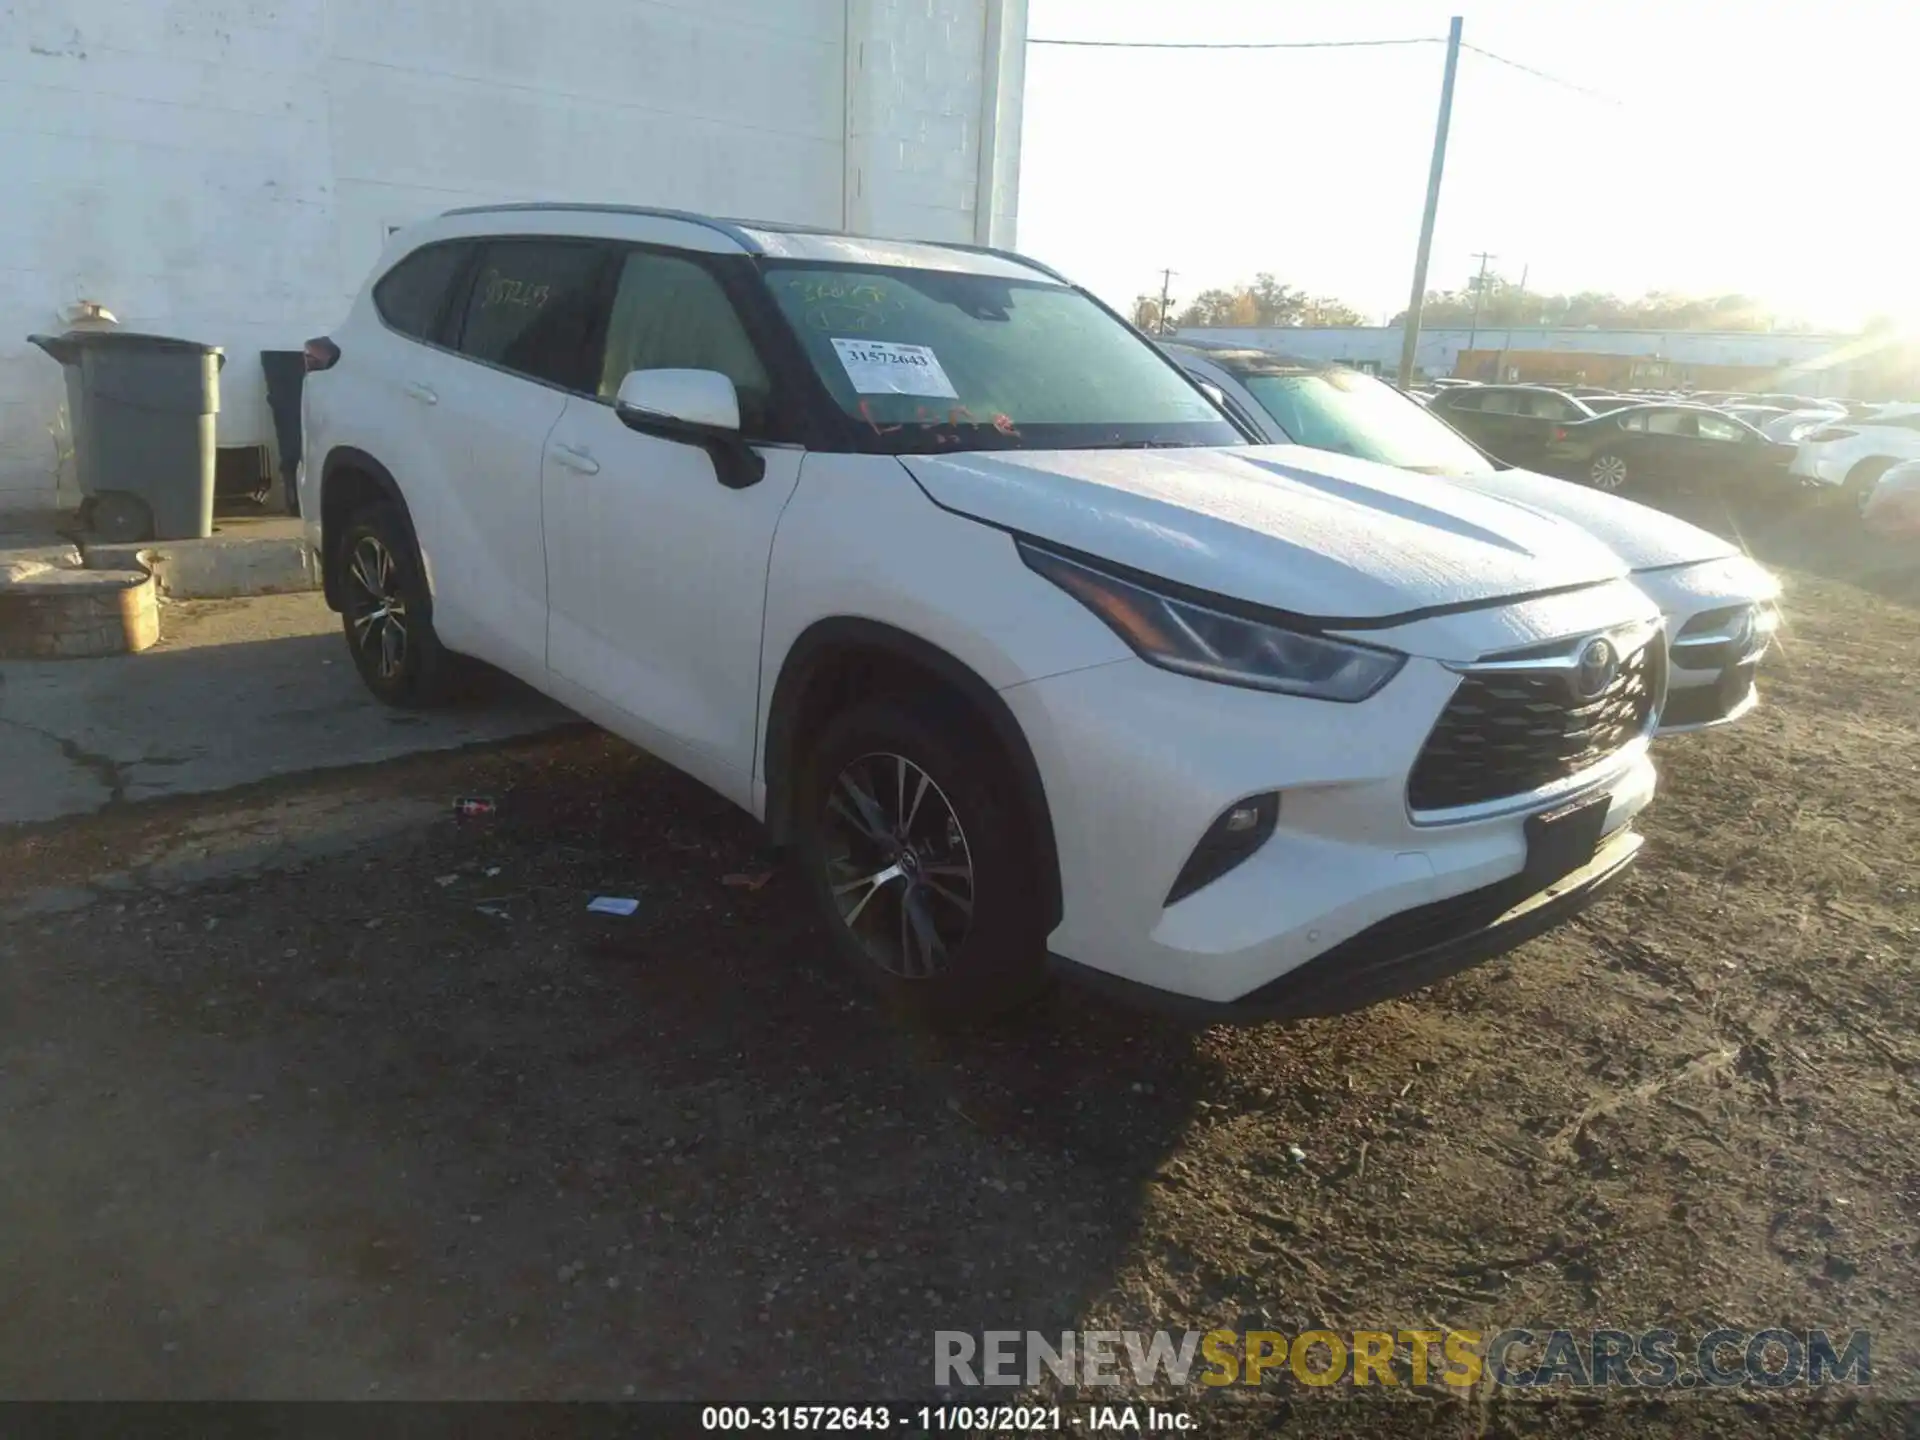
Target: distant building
[[1646, 359]]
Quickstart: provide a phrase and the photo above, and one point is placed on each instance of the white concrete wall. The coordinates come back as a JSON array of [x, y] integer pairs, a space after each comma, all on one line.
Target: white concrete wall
[[227, 170]]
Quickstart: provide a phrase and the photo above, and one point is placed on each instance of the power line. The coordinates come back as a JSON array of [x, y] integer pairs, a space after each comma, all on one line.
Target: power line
[[1321, 45], [1236, 44], [1543, 75]]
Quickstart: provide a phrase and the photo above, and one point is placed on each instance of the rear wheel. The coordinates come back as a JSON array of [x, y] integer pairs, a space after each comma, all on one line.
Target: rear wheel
[[387, 613], [1862, 479], [921, 862], [1608, 471]]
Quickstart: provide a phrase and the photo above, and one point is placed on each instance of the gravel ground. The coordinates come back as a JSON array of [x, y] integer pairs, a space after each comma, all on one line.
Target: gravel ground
[[385, 1113]]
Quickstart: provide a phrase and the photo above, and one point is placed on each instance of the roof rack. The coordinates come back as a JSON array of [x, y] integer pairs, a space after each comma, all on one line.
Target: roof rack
[[739, 231], [729, 228]]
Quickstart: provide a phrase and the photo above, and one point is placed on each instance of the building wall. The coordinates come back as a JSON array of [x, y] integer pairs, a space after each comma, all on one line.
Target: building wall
[[227, 170]]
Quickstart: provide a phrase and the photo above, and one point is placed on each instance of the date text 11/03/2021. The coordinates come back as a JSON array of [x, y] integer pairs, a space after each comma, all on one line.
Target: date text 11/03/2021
[[954, 1419]]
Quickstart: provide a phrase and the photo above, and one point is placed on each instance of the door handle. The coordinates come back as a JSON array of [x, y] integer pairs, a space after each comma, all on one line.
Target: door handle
[[578, 461], [423, 393]]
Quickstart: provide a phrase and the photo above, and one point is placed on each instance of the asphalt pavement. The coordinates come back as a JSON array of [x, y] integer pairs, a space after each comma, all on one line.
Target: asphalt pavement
[[236, 691]]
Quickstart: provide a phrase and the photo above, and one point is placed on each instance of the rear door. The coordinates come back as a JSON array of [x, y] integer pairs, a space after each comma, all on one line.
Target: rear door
[[528, 331], [382, 402], [1669, 448], [1729, 453]]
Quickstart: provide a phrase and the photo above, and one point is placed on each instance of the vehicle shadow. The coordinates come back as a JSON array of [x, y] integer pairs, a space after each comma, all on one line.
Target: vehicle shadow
[[468, 1140]]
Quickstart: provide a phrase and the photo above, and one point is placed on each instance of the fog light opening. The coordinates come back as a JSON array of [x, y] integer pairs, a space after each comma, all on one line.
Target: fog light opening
[[1239, 830]]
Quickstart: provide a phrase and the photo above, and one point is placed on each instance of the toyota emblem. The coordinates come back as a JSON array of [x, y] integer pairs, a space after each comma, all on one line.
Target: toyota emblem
[[1598, 668]]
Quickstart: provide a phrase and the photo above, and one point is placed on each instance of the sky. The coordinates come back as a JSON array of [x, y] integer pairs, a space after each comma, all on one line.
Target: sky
[[1763, 149]]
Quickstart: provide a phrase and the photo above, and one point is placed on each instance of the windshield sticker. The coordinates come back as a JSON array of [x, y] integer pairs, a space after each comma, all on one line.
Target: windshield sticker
[[880, 367]]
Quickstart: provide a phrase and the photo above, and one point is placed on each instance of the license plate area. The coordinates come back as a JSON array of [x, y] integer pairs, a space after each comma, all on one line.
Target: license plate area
[[1562, 840]]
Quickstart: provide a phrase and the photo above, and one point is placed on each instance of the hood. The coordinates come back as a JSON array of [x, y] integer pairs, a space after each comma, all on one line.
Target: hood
[[1299, 530], [1647, 539]]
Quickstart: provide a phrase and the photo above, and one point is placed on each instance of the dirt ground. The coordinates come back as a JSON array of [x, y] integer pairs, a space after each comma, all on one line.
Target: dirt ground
[[397, 1118]]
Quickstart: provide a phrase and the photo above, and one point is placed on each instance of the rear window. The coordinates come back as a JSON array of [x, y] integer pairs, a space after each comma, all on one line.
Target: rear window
[[412, 296], [535, 309]]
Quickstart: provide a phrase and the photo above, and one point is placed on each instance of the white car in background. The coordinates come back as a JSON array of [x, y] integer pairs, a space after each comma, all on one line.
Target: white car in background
[[1721, 607], [1852, 454], [1794, 426], [921, 555]]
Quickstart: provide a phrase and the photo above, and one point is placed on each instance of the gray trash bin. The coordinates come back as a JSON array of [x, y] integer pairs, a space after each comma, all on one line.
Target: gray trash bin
[[142, 409]]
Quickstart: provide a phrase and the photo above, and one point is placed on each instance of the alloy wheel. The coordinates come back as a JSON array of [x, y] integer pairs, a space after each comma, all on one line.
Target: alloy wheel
[[898, 866], [376, 607], [1609, 472]]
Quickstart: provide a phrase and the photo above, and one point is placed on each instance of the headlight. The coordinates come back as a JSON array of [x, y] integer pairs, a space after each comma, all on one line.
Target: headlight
[[1209, 644]]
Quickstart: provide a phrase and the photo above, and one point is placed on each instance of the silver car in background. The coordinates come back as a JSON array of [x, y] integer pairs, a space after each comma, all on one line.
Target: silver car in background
[[1721, 606]]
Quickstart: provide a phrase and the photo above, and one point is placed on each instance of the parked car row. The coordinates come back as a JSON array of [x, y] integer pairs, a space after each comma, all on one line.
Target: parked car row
[[1040, 654], [1644, 447], [1660, 441]]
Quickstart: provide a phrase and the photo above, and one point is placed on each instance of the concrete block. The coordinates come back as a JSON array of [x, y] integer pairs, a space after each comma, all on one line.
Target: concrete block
[[254, 557], [61, 613]]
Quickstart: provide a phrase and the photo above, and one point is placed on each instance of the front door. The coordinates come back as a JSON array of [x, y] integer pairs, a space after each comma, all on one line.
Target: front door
[[657, 573]]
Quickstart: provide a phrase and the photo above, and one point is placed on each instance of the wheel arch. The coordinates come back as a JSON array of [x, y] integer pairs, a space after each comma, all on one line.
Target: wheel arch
[[1869, 467], [350, 479], [841, 654]]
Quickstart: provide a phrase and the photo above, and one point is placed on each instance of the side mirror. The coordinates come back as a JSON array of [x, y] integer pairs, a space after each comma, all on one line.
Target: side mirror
[[693, 407]]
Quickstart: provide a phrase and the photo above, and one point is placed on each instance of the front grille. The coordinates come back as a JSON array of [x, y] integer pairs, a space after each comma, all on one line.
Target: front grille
[[1508, 733]]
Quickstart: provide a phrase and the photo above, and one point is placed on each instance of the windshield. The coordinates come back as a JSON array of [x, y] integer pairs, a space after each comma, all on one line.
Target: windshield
[[1354, 414], [930, 360]]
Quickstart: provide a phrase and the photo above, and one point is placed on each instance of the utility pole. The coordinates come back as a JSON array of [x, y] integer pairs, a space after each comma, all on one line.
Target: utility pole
[[1412, 338], [1479, 294], [1166, 301], [1507, 344]]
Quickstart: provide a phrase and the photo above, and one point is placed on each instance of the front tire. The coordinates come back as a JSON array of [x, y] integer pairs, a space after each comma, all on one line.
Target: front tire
[[386, 611], [1608, 471], [921, 862]]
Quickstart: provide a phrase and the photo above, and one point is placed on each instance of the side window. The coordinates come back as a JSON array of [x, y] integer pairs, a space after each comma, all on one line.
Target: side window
[[1712, 427], [1459, 398], [533, 309], [670, 313], [1551, 407], [1636, 422], [1669, 422], [1503, 402], [412, 296]]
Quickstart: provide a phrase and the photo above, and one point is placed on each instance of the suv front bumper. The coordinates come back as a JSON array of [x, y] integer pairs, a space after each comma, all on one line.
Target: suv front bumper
[[1398, 955], [1137, 764]]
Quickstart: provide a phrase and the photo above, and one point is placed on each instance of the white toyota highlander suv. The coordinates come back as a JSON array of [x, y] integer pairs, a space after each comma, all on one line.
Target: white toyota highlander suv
[[924, 557]]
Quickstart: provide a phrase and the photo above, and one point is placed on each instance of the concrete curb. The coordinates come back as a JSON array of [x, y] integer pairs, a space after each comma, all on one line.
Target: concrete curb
[[218, 568]]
